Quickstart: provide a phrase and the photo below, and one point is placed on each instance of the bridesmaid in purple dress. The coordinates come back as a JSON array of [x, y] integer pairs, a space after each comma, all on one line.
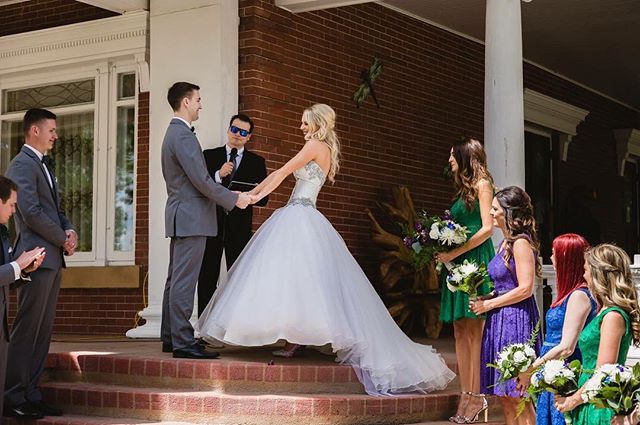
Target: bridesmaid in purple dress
[[512, 315]]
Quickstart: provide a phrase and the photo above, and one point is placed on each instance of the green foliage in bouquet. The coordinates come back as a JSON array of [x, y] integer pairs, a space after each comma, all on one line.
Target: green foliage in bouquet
[[615, 387], [467, 278], [431, 235]]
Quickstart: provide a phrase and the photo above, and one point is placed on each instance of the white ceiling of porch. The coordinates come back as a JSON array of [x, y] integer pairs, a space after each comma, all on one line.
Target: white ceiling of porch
[[594, 42]]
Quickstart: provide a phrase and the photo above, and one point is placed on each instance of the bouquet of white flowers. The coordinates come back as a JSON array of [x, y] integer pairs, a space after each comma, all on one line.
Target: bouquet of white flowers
[[433, 234], [516, 358], [513, 360], [613, 386], [467, 277], [555, 376]]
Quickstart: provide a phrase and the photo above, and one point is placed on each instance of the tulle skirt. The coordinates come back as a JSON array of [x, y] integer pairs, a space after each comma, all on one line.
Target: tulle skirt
[[297, 281]]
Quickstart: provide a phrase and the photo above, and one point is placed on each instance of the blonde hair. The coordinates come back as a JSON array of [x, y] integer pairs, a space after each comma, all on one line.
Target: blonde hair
[[321, 119], [612, 284]]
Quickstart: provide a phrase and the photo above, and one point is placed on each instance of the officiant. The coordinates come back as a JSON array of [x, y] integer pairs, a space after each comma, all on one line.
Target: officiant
[[236, 168]]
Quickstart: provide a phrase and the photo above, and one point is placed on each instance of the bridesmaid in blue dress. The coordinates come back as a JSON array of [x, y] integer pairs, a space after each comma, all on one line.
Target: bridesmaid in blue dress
[[512, 315], [571, 311]]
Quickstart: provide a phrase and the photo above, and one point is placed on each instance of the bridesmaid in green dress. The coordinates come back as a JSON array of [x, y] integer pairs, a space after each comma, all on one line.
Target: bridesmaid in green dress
[[610, 334], [474, 193]]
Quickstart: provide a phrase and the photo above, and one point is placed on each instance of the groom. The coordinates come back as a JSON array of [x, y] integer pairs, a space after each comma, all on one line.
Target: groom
[[190, 216]]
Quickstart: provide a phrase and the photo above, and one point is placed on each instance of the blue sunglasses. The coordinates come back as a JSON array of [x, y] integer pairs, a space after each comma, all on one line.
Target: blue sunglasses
[[236, 130]]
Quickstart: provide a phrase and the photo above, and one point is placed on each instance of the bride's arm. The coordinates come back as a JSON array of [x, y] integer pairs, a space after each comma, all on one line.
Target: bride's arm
[[309, 151]]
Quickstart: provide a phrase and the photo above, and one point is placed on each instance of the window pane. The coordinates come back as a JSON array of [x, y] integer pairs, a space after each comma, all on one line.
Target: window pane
[[123, 226], [11, 142], [73, 157], [72, 93], [126, 86]]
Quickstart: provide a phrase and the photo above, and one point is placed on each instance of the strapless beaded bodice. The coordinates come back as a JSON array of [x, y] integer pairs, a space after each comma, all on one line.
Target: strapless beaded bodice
[[309, 181]]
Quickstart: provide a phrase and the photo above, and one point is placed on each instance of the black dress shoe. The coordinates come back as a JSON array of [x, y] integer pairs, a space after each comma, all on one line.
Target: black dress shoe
[[167, 347], [24, 411], [194, 352], [46, 409]]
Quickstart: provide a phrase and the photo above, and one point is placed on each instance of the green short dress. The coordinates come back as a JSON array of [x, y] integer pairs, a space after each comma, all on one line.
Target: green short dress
[[455, 305], [589, 343]]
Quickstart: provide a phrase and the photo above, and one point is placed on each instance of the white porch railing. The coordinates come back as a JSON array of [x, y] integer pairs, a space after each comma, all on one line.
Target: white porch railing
[[549, 279]]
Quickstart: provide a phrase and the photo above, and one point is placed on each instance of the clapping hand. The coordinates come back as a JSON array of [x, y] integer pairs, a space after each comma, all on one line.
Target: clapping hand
[[29, 261]]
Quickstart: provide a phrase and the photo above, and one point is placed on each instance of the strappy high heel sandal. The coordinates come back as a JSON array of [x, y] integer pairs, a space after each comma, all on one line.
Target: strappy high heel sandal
[[477, 405], [458, 418], [295, 350]]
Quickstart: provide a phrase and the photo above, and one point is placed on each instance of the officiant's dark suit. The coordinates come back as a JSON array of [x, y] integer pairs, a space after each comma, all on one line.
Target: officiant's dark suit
[[234, 227]]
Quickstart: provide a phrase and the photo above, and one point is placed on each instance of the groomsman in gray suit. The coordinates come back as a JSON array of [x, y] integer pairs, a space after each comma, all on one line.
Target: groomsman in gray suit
[[11, 272], [190, 217], [39, 223]]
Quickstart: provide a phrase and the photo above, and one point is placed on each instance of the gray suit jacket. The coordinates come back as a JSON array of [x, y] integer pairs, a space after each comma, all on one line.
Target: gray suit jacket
[[39, 220], [192, 193]]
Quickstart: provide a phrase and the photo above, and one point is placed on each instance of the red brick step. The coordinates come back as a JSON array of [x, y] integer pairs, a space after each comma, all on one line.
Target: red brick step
[[161, 404]]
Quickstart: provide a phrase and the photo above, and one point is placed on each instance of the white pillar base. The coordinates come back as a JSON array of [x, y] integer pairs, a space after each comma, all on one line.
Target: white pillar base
[[151, 329]]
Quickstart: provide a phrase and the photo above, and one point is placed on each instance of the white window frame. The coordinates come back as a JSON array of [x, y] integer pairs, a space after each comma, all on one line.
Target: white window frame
[[97, 49], [104, 154], [120, 257]]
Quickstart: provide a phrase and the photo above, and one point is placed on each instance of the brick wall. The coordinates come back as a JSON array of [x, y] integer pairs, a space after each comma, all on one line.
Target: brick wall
[[430, 93], [91, 311], [40, 14]]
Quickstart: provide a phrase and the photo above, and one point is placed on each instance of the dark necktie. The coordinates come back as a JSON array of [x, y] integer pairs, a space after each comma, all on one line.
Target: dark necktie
[[193, 129], [232, 158]]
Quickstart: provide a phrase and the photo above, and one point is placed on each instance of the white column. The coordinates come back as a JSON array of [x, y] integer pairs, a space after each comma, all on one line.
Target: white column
[[194, 41], [503, 93]]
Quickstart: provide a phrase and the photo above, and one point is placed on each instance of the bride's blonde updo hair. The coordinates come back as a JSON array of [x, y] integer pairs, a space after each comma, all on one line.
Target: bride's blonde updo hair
[[322, 121], [612, 284]]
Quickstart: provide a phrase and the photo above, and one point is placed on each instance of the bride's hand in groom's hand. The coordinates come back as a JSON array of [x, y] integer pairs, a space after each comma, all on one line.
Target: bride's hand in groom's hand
[[243, 200]]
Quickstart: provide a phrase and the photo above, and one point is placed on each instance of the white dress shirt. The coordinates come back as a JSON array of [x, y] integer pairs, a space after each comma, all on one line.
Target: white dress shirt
[[44, 167], [216, 177]]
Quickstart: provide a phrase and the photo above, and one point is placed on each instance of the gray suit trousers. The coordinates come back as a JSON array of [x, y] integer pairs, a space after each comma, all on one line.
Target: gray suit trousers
[[185, 259], [31, 335]]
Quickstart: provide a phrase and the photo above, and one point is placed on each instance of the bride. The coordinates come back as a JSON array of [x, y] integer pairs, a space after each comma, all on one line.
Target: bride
[[297, 281]]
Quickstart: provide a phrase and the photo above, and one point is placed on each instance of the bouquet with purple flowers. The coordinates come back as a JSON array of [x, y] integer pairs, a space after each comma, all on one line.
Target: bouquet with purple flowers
[[433, 234]]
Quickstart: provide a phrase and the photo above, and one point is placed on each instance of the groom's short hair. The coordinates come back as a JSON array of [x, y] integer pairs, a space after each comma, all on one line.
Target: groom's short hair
[[179, 91]]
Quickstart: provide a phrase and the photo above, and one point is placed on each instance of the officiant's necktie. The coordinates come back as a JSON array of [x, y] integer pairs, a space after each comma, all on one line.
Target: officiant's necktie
[[48, 165], [226, 181]]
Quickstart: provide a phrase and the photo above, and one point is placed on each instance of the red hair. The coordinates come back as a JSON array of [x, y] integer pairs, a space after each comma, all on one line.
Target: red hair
[[569, 251]]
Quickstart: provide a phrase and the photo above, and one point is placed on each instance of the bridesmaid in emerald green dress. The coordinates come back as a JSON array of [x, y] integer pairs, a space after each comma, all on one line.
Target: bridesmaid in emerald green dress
[[610, 334], [474, 193]]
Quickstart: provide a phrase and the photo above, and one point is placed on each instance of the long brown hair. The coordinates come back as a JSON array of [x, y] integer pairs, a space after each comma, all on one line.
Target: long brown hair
[[519, 221], [472, 167], [612, 284]]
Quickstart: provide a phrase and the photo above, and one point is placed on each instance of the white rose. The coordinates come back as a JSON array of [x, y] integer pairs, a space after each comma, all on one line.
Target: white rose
[[519, 357], [434, 233]]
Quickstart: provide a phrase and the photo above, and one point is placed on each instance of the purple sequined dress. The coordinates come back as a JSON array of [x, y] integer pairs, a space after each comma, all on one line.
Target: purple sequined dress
[[505, 325]]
